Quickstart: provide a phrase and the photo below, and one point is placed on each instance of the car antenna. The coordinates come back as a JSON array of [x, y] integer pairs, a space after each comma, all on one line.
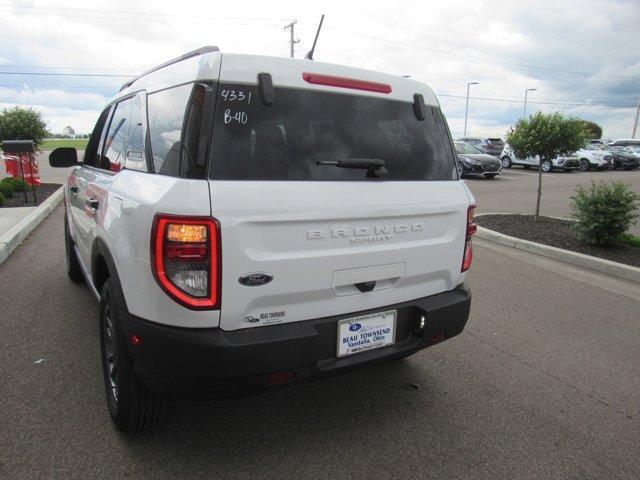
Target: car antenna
[[309, 55]]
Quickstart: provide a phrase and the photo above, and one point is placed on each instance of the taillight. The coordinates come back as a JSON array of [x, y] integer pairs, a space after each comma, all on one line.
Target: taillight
[[186, 259], [468, 247]]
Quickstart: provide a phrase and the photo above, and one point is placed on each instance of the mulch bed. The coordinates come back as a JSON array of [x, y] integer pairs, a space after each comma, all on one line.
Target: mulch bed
[[43, 192], [556, 233]]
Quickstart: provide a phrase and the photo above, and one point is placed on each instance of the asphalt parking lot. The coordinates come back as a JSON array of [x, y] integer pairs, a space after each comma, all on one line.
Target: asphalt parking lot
[[543, 383], [515, 190]]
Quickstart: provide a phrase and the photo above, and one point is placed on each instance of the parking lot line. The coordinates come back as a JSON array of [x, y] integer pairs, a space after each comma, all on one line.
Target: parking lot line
[[530, 173]]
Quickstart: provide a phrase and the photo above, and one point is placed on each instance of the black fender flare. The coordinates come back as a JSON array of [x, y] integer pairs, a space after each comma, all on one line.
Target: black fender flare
[[98, 250]]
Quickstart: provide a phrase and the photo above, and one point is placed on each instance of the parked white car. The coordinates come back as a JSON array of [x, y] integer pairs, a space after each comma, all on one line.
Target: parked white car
[[592, 156], [567, 164], [249, 221]]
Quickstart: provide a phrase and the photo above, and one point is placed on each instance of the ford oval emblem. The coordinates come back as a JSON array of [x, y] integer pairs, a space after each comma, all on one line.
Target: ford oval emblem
[[255, 279], [354, 327]]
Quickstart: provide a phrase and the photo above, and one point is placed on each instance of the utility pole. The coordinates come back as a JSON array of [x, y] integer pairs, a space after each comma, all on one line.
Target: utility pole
[[635, 123], [526, 94], [466, 110], [292, 40]]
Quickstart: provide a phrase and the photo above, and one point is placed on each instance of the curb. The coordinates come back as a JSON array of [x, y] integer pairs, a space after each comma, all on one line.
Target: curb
[[14, 237], [620, 270]]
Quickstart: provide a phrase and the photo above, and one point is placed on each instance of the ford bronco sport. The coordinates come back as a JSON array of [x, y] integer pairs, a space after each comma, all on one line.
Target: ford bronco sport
[[247, 222]]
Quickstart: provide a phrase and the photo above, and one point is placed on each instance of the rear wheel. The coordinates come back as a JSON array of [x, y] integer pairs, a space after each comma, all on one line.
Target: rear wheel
[[73, 265], [546, 166], [584, 165], [506, 162], [131, 404]]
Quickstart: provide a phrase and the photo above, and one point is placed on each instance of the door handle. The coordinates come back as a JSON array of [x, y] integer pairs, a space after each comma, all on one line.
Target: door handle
[[92, 202], [73, 188]]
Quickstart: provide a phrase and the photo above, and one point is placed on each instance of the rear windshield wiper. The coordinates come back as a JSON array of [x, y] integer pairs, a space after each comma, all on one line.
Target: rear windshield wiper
[[375, 166]]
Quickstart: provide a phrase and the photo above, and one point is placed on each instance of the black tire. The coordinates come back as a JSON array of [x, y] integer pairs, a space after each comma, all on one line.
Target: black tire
[[506, 162], [547, 166], [132, 405], [584, 165], [74, 271], [489, 175]]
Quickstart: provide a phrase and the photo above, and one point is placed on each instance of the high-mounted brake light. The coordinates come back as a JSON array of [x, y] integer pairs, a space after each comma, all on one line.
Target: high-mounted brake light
[[186, 259], [467, 257], [344, 82]]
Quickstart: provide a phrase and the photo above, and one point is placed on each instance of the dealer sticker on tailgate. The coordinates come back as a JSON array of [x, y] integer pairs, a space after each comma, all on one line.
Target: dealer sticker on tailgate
[[366, 333]]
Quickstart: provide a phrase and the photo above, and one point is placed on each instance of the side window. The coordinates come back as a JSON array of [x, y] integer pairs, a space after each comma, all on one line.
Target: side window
[[166, 111], [114, 154], [91, 152], [135, 158], [175, 119]]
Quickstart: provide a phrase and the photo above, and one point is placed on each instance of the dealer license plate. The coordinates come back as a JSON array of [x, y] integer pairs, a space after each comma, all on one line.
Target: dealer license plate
[[367, 332]]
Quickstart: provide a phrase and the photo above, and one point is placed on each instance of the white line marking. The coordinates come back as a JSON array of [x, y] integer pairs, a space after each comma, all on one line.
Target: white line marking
[[532, 173]]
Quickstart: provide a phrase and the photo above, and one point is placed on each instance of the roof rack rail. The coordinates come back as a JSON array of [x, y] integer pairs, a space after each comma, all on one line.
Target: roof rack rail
[[193, 53]]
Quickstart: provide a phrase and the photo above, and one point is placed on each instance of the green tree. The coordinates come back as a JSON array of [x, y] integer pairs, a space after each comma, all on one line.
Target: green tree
[[19, 123], [595, 130], [546, 136]]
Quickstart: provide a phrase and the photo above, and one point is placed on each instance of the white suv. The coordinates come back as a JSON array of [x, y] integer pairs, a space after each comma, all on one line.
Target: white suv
[[567, 164], [250, 221], [592, 156]]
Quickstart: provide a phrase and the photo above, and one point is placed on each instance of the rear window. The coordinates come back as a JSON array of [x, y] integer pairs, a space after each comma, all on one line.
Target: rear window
[[302, 127]]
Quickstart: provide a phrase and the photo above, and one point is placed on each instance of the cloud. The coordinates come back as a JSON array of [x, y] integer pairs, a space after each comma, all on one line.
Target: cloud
[[505, 46]]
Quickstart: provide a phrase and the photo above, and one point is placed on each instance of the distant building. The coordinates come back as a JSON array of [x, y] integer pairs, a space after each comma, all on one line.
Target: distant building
[[68, 131]]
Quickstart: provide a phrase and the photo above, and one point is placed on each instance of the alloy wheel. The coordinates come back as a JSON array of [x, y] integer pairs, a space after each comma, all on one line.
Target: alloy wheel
[[584, 165], [110, 355]]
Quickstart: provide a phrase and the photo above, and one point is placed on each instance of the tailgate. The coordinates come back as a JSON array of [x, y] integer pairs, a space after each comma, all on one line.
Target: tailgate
[[408, 238]]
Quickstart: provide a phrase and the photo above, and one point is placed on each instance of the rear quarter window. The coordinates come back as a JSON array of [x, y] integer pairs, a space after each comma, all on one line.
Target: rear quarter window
[[285, 141]]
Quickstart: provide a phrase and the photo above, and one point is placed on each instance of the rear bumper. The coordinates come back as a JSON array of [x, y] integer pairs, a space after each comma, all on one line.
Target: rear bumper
[[205, 363]]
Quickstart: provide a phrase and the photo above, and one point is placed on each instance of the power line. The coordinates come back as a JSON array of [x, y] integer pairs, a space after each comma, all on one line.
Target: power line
[[543, 102], [146, 19], [461, 97], [145, 14], [481, 60], [17, 85], [68, 74], [71, 68]]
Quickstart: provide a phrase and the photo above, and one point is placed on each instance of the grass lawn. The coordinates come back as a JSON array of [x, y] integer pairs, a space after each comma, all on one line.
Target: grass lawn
[[50, 144]]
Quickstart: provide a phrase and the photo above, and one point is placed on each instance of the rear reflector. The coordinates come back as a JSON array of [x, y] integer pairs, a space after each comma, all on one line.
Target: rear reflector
[[437, 337], [343, 82], [467, 257], [280, 377], [186, 259]]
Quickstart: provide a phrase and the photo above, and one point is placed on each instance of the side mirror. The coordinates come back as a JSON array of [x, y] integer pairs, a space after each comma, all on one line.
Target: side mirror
[[63, 157]]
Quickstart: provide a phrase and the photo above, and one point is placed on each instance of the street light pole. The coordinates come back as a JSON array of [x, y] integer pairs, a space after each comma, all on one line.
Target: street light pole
[[526, 93], [466, 110], [635, 123]]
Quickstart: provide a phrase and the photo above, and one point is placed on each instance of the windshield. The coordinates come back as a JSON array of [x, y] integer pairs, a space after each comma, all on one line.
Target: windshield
[[465, 148], [285, 141]]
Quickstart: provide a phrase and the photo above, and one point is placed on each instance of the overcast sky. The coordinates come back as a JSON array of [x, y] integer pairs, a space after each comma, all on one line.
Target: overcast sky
[[583, 57]]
